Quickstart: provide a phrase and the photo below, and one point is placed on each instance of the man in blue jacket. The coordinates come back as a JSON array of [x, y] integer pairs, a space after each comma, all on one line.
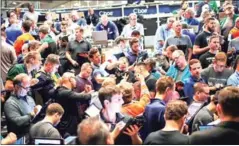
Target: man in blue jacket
[[195, 69], [109, 26], [154, 112]]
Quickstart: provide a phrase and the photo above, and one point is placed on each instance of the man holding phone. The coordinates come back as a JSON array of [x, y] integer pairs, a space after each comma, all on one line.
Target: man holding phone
[[111, 100], [77, 50]]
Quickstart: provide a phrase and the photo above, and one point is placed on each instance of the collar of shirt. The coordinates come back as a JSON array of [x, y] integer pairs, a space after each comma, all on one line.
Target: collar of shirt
[[24, 98], [134, 27], [196, 80], [95, 66], [80, 40], [157, 100], [178, 36]]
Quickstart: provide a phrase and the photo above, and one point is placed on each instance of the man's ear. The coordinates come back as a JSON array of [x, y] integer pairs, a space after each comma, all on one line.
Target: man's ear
[[219, 110], [106, 103]]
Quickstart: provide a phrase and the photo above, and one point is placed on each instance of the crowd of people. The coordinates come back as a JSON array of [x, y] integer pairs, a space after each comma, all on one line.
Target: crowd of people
[[56, 83]]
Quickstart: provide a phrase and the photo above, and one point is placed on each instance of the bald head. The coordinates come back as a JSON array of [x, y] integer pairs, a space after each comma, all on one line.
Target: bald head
[[68, 79], [104, 20]]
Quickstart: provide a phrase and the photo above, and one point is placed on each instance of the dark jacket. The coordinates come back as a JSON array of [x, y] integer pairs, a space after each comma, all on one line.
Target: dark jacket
[[226, 133], [154, 116], [71, 102], [93, 19], [111, 28], [45, 86]]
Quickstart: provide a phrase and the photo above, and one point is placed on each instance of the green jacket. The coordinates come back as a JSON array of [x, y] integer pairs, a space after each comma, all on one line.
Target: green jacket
[[222, 22]]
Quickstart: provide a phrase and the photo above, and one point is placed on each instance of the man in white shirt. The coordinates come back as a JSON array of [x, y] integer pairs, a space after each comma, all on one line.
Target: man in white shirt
[[31, 14], [133, 25]]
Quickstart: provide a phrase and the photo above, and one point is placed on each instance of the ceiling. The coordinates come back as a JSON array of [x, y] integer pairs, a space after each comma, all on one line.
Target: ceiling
[[50, 4]]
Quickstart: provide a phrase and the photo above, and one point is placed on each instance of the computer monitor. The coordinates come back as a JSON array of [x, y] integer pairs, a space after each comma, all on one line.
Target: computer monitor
[[70, 140], [47, 141], [100, 37]]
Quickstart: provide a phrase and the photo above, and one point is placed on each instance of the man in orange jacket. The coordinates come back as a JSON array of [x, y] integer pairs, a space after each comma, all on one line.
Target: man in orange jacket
[[130, 107], [26, 36]]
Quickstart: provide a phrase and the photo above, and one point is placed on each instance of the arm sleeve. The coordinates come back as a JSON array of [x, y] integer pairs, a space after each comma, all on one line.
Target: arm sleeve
[[189, 44], [188, 90], [141, 29], [204, 74], [13, 114], [13, 56], [12, 73], [79, 96], [18, 45], [53, 133], [97, 28], [230, 46], [116, 32], [231, 82], [123, 31], [197, 40], [159, 34], [165, 45]]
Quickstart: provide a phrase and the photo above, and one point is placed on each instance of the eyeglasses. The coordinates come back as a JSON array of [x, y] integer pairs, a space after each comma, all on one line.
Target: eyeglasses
[[26, 88], [133, 19]]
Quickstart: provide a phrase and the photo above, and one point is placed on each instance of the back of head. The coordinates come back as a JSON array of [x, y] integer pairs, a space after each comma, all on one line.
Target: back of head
[[54, 108], [135, 33], [199, 87], [163, 83], [92, 131], [228, 99], [26, 25], [44, 29], [53, 59], [31, 55], [66, 77], [127, 91], [109, 82], [150, 62], [175, 110]]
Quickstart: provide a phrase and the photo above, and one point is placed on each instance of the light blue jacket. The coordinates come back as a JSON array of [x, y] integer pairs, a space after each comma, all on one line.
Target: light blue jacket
[[233, 80], [173, 72]]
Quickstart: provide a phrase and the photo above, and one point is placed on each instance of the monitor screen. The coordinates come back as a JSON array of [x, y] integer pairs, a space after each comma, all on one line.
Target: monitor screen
[[45, 141]]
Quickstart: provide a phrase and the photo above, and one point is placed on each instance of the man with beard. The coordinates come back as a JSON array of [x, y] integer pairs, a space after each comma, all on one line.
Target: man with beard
[[201, 41], [195, 69], [207, 58]]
